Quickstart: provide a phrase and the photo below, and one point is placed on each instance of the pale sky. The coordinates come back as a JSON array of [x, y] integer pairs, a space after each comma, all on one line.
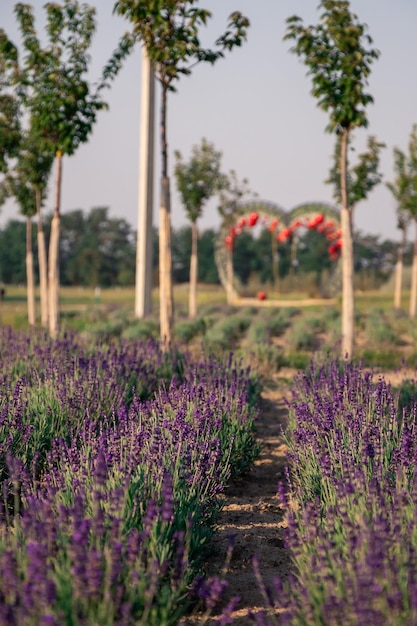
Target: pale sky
[[255, 106]]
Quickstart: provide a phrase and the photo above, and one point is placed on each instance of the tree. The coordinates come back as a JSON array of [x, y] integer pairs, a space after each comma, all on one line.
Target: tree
[[339, 62], [197, 181], [12, 253], [231, 197], [24, 160], [10, 113], [399, 189], [96, 250], [170, 33], [56, 95], [27, 182], [404, 190]]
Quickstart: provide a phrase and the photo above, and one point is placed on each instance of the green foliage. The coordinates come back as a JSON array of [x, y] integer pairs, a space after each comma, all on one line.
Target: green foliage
[[298, 360], [264, 358], [278, 320], [267, 324], [141, 329], [404, 187], [199, 178], [62, 104], [258, 332], [10, 123], [378, 329], [302, 334], [360, 178], [407, 395], [185, 331], [170, 33], [226, 332], [232, 194], [338, 60], [96, 249], [12, 252], [27, 180]]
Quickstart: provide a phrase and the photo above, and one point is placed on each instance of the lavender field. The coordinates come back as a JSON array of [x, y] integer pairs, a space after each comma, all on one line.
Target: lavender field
[[112, 462]]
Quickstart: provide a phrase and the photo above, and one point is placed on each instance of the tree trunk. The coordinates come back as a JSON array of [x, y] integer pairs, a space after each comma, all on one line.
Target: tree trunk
[[229, 275], [143, 284], [399, 273], [165, 267], [43, 266], [192, 308], [413, 292], [166, 312], [53, 273], [348, 305], [30, 280]]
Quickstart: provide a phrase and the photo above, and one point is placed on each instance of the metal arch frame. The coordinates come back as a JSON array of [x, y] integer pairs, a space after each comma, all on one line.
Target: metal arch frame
[[270, 210]]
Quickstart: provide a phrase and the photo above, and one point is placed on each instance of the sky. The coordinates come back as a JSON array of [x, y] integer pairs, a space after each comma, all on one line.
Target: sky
[[254, 105]]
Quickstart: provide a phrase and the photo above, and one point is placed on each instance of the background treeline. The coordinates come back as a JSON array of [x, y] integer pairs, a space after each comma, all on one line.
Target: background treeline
[[97, 249]]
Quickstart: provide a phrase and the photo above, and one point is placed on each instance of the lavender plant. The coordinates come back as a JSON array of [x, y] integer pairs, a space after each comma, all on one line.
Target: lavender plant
[[110, 494], [351, 503]]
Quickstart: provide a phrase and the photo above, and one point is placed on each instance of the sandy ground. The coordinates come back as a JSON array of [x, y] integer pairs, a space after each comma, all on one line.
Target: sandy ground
[[252, 513]]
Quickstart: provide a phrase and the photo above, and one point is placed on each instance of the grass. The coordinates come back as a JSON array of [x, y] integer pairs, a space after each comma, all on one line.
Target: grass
[[275, 335]]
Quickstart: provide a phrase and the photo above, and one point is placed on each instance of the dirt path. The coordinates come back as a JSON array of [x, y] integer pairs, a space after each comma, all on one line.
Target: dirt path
[[252, 513]]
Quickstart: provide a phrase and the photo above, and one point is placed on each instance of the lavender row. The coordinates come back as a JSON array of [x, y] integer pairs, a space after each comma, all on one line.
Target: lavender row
[[48, 389], [108, 504], [351, 502]]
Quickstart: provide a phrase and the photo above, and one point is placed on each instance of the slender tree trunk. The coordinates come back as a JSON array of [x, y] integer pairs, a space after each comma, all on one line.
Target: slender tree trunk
[[30, 279], [413, 292], [192, 304], [166, 311], [229, 275], [348, 305], [43, 265], [143, 289], [53, 273], [399, 272]]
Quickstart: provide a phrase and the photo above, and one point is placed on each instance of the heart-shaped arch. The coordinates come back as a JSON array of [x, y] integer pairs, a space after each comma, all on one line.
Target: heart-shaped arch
[[324, 217]]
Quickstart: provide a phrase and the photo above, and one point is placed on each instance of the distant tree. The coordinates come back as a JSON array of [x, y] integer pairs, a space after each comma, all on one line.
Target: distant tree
[[197, 181], [404, 190], [170, 33], [313, 254], [181, 254], [400, 190], [231, 197], [207, 268], [12, 252], [27, 181], [339, 62], [24, 160], [96, 250], [52, 84], [248, 256]]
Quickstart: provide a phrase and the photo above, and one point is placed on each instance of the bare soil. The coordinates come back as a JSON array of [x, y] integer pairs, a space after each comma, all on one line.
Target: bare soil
[[252, 512]]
